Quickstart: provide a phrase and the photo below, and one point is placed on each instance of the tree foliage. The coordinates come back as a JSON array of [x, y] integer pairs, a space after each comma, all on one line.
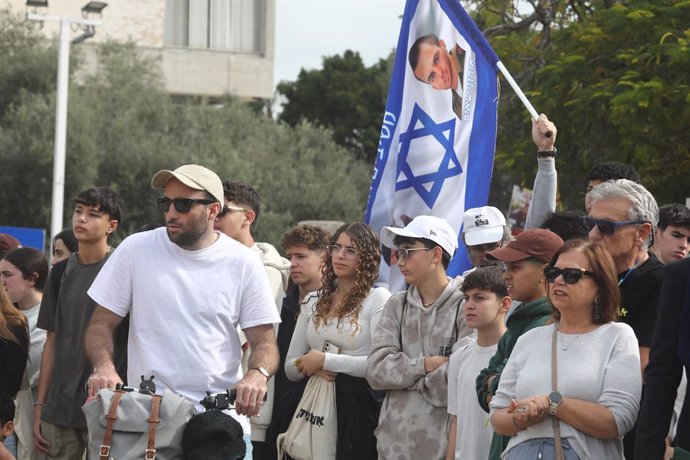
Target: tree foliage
[[122, 127], [345, 96], [615, 79], [613, 76]]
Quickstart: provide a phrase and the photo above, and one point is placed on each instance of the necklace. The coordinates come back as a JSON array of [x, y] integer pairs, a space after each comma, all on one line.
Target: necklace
[[106, 252], [637, 262], [565, 346]]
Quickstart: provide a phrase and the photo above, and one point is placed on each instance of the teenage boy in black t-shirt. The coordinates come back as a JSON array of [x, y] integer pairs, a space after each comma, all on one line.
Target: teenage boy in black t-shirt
[[59, 424]]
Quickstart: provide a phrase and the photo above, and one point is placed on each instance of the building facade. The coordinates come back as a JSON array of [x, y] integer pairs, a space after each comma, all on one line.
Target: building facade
[[204, 47]]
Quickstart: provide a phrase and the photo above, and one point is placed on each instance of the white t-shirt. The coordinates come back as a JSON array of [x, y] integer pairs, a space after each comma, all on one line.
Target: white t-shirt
[[474, 432], [37, 339], [184, 309]]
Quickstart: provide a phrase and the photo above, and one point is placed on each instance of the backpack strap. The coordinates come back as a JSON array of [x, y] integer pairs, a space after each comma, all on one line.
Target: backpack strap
[[104, 451], [57, 273], [153, 422]]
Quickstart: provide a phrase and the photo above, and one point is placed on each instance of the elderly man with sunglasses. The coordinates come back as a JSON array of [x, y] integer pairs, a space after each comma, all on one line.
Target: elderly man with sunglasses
[[623, 216], [187, 288]]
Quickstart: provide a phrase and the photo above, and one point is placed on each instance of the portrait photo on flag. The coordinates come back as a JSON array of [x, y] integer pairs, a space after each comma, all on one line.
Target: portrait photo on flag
[[438, 136]]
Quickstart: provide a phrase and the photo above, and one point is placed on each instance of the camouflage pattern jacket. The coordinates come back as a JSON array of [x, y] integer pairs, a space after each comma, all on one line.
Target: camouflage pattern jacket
[[414, 421]]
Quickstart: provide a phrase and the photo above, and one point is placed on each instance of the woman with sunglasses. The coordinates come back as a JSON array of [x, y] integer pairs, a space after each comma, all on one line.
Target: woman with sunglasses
[[333, 335], [595, 397]]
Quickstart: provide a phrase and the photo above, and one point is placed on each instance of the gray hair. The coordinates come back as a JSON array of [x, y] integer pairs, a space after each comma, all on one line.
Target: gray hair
[[507, 236], [643, 206]]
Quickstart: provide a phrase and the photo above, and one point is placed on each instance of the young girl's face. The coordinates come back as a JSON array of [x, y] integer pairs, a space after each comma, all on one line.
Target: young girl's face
[[344, 257]]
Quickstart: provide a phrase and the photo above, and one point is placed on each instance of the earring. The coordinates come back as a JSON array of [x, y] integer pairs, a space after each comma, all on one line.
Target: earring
[[596, 315]]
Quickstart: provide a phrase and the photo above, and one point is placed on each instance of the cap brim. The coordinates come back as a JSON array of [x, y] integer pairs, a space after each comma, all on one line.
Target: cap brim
[[484, 236], [388, 234], [161, 178], [507, 254]]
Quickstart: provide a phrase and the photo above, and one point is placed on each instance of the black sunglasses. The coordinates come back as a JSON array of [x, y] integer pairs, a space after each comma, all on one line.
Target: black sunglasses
[[229, 209], [182, 205], [606, 227], [570, 275]]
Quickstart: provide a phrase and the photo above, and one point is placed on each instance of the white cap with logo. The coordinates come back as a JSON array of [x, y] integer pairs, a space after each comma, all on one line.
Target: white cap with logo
[[429, 227], [483, 225]]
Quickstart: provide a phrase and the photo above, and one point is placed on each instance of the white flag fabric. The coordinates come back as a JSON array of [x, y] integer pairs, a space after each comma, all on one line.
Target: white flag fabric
[[438, 135]]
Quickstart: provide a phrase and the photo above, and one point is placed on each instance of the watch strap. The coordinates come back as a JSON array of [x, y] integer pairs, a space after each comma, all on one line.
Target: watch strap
[[547, 153], [262, 371]]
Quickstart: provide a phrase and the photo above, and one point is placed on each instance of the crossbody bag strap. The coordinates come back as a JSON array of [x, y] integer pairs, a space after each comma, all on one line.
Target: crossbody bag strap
[[111, 417], [153, 422], [554, 387], [456, 329], [402, 321]]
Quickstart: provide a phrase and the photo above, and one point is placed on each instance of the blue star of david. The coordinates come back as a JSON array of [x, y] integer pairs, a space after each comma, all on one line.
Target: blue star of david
[[449, 167]]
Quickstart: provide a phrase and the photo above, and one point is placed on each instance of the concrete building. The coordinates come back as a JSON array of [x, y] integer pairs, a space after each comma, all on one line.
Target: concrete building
[[204, 47]]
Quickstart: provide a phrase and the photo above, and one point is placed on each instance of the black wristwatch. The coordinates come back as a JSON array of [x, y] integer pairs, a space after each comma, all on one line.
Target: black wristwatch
[[547, 153], [555, 399]]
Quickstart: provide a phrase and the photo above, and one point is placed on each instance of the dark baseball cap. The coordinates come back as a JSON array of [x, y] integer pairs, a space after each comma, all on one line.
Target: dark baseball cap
[[536, 242]]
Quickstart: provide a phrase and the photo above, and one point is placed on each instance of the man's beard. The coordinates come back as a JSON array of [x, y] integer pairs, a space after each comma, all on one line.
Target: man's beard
[[191, 233]]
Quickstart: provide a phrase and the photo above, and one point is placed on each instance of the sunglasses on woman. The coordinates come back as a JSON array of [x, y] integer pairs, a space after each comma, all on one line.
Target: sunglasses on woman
[[606, 227], [182, 205], [570, 275]]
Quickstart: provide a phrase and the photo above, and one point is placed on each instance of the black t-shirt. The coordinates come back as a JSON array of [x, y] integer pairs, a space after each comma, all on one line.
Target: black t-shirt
[[13, 359], [68, 316], [640, 291]]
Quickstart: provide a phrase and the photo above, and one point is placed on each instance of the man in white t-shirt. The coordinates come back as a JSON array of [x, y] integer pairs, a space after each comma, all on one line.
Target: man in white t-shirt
[[187, 288], [486, 304]]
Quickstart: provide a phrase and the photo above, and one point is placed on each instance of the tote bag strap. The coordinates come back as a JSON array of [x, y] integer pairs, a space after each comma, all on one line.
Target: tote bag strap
[[554, 386]]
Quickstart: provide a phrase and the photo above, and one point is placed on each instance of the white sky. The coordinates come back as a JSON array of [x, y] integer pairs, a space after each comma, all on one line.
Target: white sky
[[307, 30]]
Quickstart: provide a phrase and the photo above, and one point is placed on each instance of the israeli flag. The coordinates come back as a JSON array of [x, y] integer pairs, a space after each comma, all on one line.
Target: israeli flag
[[438, 136]]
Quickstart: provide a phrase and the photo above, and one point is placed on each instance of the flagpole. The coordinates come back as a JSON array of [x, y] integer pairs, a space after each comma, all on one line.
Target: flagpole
[[517, 90]]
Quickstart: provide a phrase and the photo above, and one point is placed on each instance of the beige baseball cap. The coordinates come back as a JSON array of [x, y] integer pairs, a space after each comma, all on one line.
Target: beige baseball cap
[[193, 176]]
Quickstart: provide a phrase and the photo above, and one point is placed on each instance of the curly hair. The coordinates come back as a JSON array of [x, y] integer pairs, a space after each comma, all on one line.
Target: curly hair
[[367, 244], [312, 237]]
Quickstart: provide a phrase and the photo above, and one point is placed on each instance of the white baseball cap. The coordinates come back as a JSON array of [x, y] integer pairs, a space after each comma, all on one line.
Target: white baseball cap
[[483, 225], [432, 228]]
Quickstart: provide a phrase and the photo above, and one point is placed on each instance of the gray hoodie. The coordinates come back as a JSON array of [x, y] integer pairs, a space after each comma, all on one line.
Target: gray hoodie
[[414, 421], [278, 272]]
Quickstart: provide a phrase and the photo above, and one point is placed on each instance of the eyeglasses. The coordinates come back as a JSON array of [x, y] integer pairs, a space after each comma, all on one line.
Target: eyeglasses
[[570, 275], [606, 227], [404, 253], [182, 205], [229, 210], [484, 247], [334, 249]]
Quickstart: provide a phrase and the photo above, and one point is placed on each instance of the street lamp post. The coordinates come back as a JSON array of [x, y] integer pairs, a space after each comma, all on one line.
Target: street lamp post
[[88, 26]]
